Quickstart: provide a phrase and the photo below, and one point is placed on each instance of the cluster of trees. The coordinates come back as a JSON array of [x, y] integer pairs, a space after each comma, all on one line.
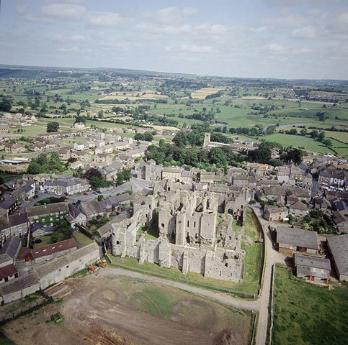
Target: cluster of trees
[[46, 163], [196, 136], [320, 136], [5, 104], [96, 179], [263, 154], [146, 136], [264, 108], [169, 154], [52, 127], [318, 221], [80, 119], [123, 176]]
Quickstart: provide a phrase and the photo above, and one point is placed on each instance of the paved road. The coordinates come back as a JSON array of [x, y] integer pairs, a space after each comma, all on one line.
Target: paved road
[[271, 257], [260, 305]]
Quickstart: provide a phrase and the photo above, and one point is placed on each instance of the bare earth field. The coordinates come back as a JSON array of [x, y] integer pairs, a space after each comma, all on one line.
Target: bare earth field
[[204, 92], [133, 95], [115, 311]]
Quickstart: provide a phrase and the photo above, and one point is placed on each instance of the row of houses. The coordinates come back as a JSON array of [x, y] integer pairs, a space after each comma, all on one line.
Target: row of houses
[[310, 260]]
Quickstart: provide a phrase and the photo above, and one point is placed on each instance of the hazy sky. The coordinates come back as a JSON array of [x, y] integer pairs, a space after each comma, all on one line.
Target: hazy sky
[[242, 38]]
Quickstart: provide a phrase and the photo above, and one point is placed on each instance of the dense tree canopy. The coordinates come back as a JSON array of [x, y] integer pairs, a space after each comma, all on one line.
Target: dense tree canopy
[[147, 136], [5, 104], [46, 163], [52, 127], [123, 175], [96, 179]]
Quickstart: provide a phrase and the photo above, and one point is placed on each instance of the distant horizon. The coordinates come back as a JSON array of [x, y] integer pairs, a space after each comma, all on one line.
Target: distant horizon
[[2, 65], [271, 39]]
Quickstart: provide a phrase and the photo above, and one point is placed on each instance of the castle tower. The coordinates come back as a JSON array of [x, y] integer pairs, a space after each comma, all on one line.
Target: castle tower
[[206, 142]]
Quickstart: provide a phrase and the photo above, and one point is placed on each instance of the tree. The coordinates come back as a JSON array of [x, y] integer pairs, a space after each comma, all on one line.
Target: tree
[[263, 154], [294, 155], [46, 163], [217, 156], [321, 136], [52, 127], [80, 119], [123, 175], [327, 142], [147, 136], [95, 178], [5, 104], [180, 139]]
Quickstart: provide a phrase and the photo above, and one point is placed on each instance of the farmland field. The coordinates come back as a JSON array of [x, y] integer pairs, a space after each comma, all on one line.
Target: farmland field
[[306, 314], [108, 310], [204, 92]]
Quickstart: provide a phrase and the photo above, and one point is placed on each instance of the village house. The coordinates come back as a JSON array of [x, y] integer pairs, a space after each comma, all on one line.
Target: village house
[[8, 254], [333, 179], [15, 166], [8, 203], [78, 147], [79, 126], [240, 180], [66, 186], [300, 176], [291, 240], [312, 268], [14, 225], [75, 216], [48, 213], [83, 156], [338, 247], [49, 252], [321, 203], [64, 153], [4, 128], [283, 174], [171, 173], [275, 193], [260, 170], [211, 177], [298, 208], [103, 158], [340, 218], [109, 172], [274, 213]]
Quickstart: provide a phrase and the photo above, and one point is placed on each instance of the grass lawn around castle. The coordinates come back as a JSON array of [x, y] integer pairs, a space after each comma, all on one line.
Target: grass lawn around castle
[[306, 314]]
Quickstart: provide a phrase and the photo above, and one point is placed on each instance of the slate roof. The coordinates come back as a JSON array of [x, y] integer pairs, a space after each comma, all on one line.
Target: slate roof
[[11, 247], [47, 209], [14, 220], [312, 261], [339, 249], [297, 237], [299, 205], [8, 202]]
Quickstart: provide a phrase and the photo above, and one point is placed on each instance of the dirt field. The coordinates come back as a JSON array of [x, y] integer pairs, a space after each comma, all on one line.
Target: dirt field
[[124, 311], [204, 92], [147, 95]]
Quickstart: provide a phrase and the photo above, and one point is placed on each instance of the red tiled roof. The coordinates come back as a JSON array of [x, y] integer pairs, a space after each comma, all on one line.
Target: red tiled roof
[[54, 248], [7, 271], [25, 254]]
